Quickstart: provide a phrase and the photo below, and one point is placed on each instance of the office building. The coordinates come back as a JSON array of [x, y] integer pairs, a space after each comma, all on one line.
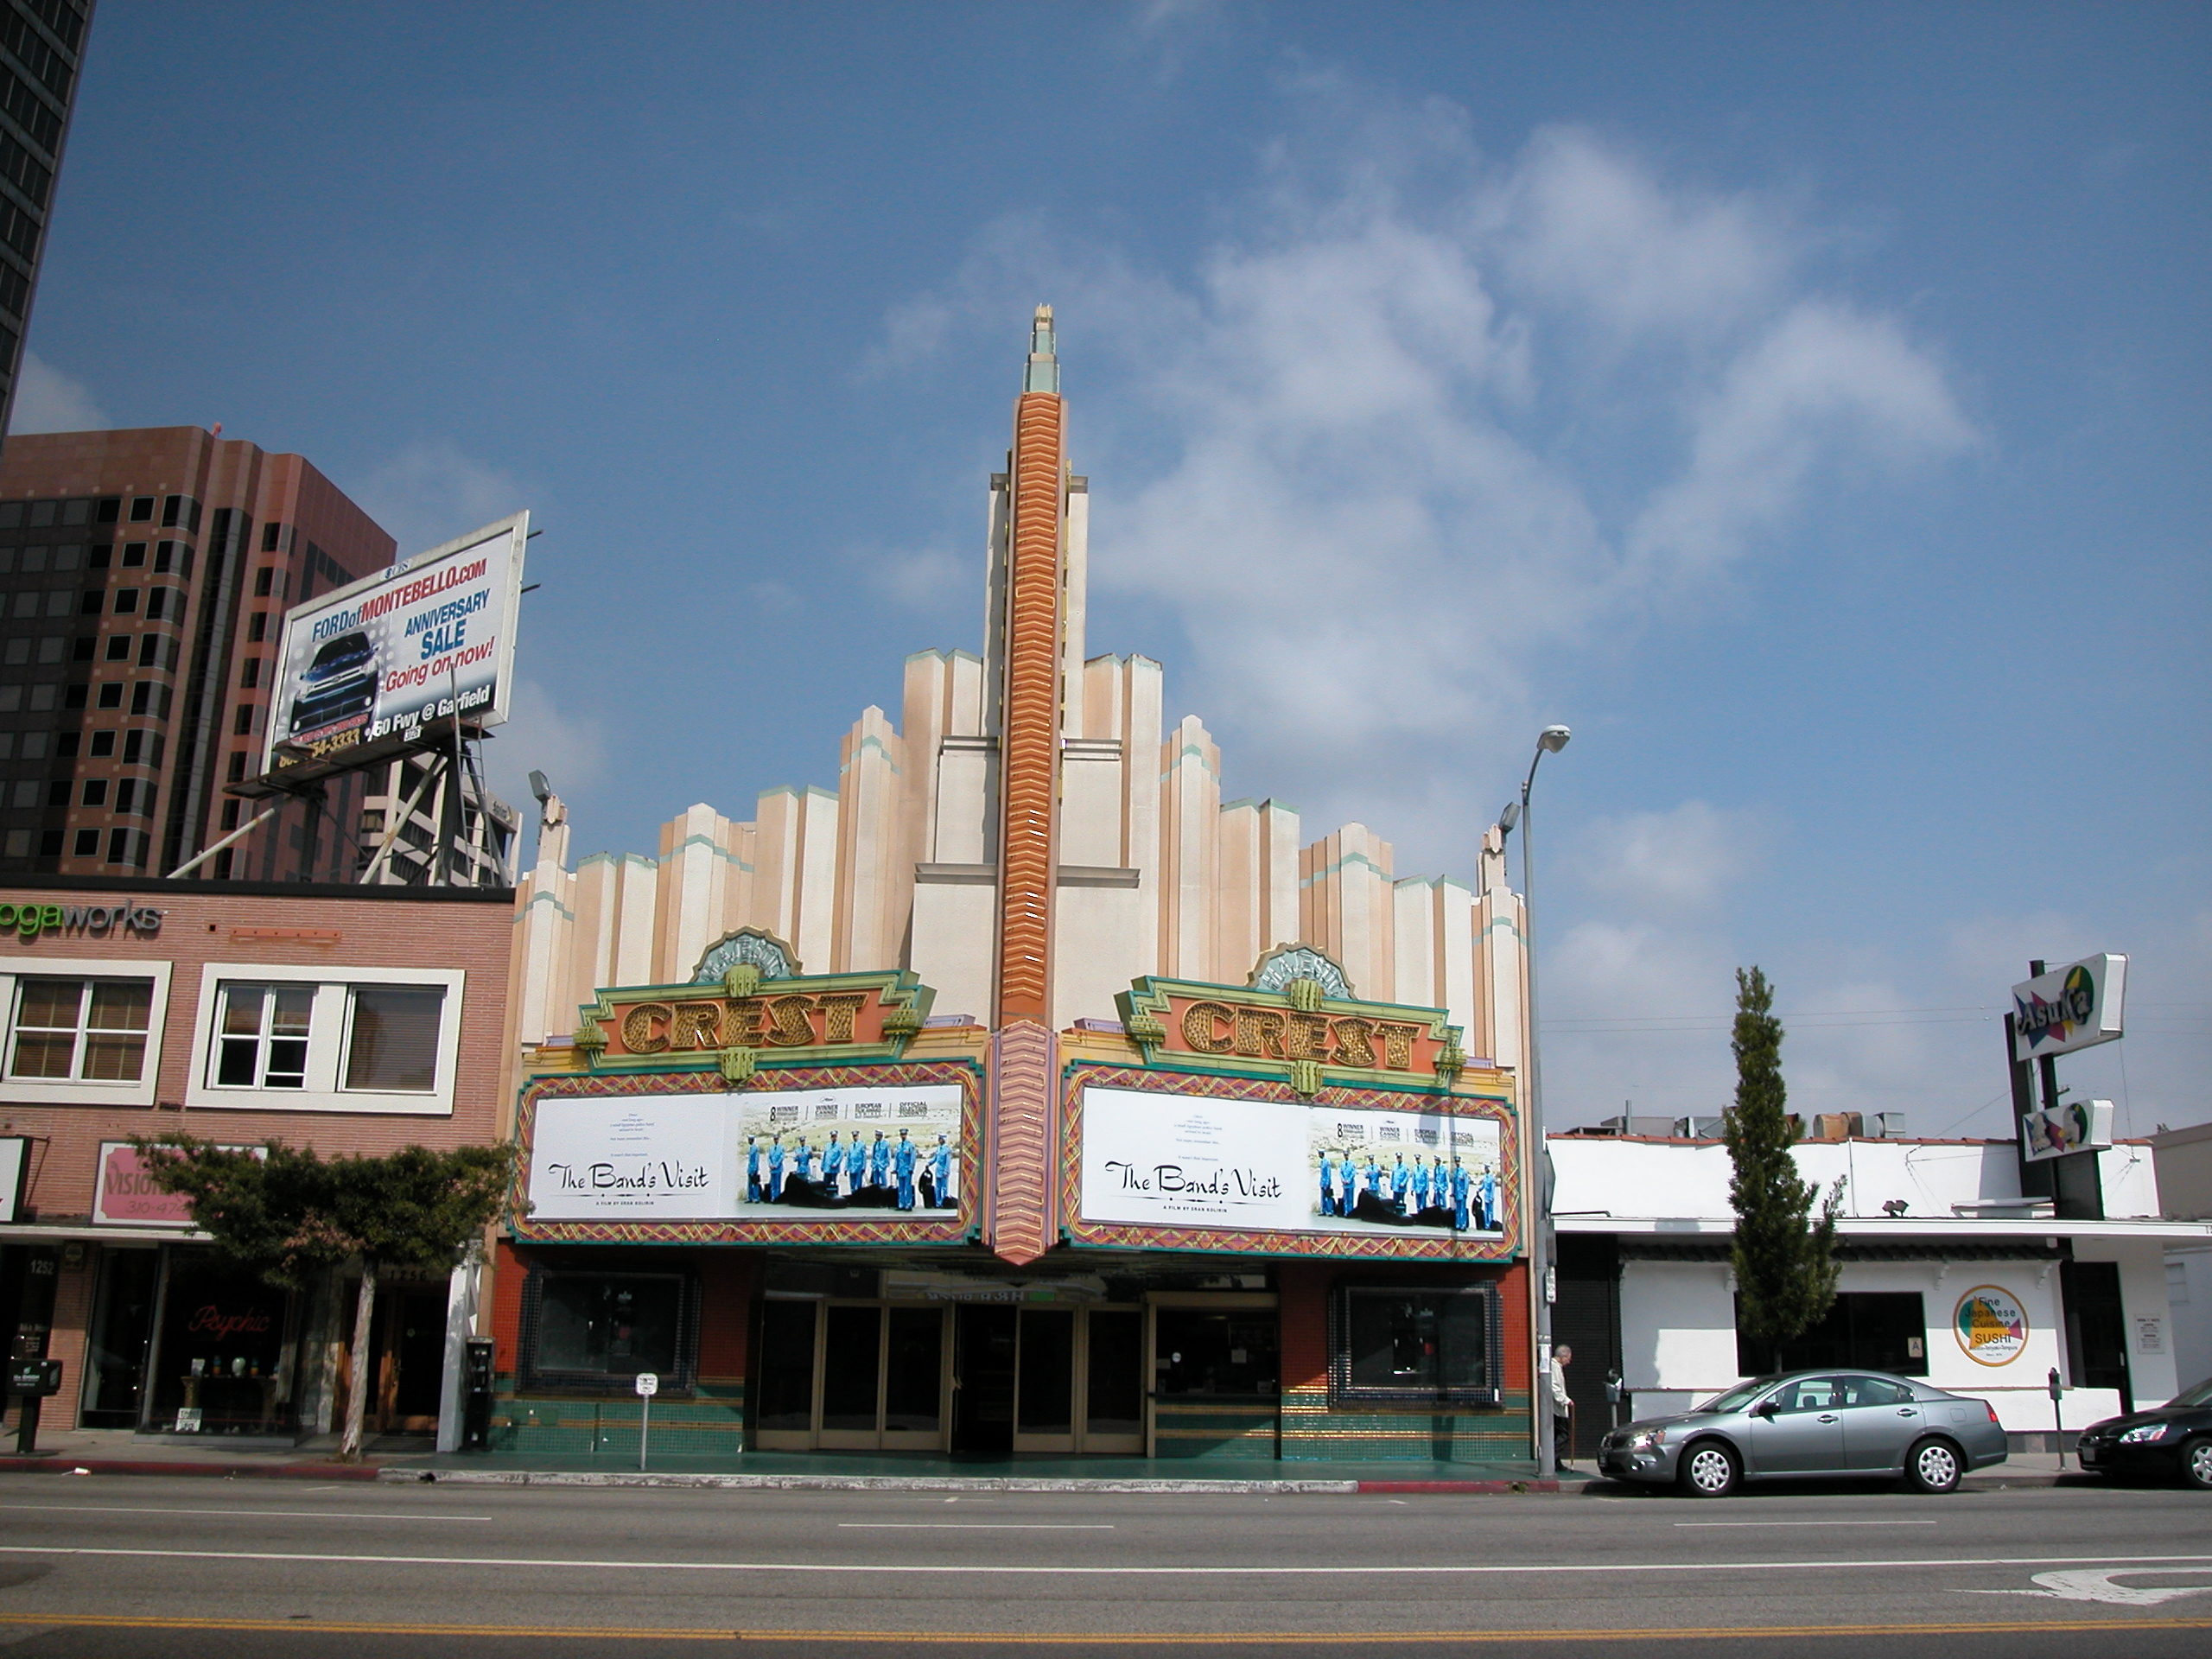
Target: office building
[[145, 574], [41, 45]]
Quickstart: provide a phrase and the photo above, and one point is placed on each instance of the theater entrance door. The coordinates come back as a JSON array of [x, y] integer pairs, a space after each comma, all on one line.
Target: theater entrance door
[[853, 1375], [1079, 1379]]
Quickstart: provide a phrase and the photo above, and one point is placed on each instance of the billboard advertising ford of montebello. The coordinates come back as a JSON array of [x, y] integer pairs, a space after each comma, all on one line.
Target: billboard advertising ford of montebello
[[388, 655]]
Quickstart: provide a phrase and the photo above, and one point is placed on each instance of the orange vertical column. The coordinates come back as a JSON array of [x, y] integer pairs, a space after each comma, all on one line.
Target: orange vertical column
[[1022, 1140]]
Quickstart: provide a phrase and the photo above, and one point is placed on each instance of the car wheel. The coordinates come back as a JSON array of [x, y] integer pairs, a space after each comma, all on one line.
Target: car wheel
[[1934, 1466], [2196, 1463], [1709, 1469]]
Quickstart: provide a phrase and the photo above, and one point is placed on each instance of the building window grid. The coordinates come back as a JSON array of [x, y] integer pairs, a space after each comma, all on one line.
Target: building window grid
[[80, 1030]]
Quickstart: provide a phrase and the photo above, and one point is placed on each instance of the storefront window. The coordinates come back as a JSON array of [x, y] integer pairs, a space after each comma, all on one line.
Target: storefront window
[[393, 1047], [218, 1368], [1199, 1351], [1881, 1331], [122, 1330], [1417, 1346], [596, 1328], [85, 1030]]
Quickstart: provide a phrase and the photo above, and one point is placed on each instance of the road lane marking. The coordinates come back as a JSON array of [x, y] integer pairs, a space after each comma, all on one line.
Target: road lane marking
[[2096, 1584], [1149, 1639], [1763, 1525], [976, 1526], [277, 1515], [1492, 1569]]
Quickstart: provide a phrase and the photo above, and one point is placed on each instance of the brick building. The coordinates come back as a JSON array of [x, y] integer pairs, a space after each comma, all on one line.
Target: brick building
[[348, 1019], [42, 49], [144, 575]]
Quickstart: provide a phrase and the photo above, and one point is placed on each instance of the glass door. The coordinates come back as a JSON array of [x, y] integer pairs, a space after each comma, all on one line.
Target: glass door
[[1079, 1379], [851, 1376]]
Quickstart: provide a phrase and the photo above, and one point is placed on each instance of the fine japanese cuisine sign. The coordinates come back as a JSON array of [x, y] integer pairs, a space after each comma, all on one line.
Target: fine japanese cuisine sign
[[379, 658]]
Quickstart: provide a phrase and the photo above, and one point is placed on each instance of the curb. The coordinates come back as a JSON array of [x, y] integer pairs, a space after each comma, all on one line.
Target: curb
[[855, 1483], [62, 1463]]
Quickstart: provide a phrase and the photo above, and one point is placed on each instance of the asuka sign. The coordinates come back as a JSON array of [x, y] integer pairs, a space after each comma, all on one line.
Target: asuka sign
[[2074, 1007]]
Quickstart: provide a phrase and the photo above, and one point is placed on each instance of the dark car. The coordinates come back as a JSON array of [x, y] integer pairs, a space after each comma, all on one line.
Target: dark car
[[1811, 1425], [2172, 1441], [340, 683]]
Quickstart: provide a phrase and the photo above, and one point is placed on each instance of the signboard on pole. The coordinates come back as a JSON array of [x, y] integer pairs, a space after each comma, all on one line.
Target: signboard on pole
[[384, 662], [2074, 1007], [2077, 1126]]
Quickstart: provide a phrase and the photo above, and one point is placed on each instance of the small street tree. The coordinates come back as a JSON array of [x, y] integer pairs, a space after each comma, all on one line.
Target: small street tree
[[1785, 1262], [293, 1215]]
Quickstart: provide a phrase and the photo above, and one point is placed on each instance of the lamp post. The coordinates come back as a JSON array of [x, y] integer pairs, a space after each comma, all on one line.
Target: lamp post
[[1550, 740]]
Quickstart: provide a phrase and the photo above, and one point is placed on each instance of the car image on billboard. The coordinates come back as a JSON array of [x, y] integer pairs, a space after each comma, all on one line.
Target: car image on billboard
[[338, 688]]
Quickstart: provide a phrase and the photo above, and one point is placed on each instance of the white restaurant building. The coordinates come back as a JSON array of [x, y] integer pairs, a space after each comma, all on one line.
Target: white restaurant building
[[1947, 1273]]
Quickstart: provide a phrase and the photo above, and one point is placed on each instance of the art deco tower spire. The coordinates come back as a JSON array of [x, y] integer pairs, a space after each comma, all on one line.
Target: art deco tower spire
[[1029, 698]]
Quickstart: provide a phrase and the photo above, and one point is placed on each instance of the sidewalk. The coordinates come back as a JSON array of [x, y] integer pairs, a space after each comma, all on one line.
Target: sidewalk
[[120, 1452]]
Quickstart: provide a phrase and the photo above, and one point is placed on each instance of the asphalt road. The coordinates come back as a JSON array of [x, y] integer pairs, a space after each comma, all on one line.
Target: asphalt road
[[122, 1567]]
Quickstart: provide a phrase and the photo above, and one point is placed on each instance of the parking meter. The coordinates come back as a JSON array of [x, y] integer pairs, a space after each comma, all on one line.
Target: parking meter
[[476, 1395]]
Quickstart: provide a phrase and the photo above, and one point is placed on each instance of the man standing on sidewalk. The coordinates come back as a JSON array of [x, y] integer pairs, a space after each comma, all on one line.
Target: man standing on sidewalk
[[1563, 1404]]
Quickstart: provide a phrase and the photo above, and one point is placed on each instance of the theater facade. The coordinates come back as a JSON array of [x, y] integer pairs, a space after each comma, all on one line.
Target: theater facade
[[1020, 1098]]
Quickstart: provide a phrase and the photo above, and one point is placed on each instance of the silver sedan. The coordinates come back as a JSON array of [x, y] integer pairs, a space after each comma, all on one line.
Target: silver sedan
[[1811, 1424]]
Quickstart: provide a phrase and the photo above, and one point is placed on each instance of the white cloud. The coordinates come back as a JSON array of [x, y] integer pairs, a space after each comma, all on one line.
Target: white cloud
[[1688, 859], [430, 491], [540, 736], [47, 400], [1418, 419]]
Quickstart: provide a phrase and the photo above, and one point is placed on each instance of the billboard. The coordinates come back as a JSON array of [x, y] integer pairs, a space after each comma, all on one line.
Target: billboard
[[364, 668], [1182, 1161], [2076, 1126], [2074, 1007]]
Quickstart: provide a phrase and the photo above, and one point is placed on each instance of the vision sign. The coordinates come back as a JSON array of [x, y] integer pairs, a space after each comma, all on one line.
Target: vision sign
[[2074, 1007]]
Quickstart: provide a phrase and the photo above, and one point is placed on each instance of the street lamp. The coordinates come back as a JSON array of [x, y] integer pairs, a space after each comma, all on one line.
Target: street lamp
[[1536, 1179]]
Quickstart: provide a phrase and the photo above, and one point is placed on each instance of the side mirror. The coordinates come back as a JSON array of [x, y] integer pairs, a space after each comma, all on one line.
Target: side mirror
[[1765, 1409]]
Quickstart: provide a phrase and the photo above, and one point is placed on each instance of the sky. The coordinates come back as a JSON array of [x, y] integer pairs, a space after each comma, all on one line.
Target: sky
[[1808, 405]]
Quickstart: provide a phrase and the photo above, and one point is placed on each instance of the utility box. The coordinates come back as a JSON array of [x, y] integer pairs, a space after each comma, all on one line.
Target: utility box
[[476, 1395], [34, 1378]]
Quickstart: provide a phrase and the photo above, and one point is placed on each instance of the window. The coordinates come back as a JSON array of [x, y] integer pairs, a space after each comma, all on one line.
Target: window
[[264, 582], [134, 553], [125, 847], [1883, 1331], [392, 1047], [1417, 1346], [103, 555], [110, 694], [172, 511], [150, 652], [126, 601], [1208, 1351], [165, 556], [110, 509], [602, 1329], [88, 843], [103, 744], [264, 1036], [250, 673], [258, 630], [382, 1040], [142, 510], [81, 1030], [237, 767], [118, 648], [95, 792]]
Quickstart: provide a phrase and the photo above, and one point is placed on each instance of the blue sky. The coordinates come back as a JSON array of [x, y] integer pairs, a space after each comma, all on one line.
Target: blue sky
[[1807, 404]]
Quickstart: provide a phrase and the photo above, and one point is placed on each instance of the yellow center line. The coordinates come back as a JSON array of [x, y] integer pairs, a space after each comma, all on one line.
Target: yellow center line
[[1033, 1638]]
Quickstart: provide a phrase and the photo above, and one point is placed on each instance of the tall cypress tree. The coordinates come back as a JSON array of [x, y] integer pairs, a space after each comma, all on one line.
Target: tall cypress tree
[[1785, 1262]]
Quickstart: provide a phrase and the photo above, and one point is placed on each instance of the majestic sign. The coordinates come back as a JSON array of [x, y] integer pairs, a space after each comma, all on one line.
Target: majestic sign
[[427, 640], [744, 1017], [1184, 1160], [2074, 1007], [2076, 1126], [1991, 1326], [867, 1151], [1300, 1030]]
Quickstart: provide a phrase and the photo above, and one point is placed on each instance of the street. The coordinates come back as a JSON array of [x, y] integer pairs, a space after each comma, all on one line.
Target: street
[[121, 1566]]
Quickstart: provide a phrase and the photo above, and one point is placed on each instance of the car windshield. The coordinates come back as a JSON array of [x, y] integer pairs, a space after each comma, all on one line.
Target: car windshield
[[2199, 1396], [1739, 1396]]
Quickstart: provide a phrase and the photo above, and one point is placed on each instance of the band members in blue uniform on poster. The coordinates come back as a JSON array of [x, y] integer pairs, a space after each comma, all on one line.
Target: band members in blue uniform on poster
[[776, 1170], [753, 1194], [1370, 1177], [879, 1161], [1486, 1194], [1400, 1178], [806, 1168], [903, 1159], [1328, 1180], [1421, 1184], [1460, 1186], [941, 1174], [833, 1164]]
